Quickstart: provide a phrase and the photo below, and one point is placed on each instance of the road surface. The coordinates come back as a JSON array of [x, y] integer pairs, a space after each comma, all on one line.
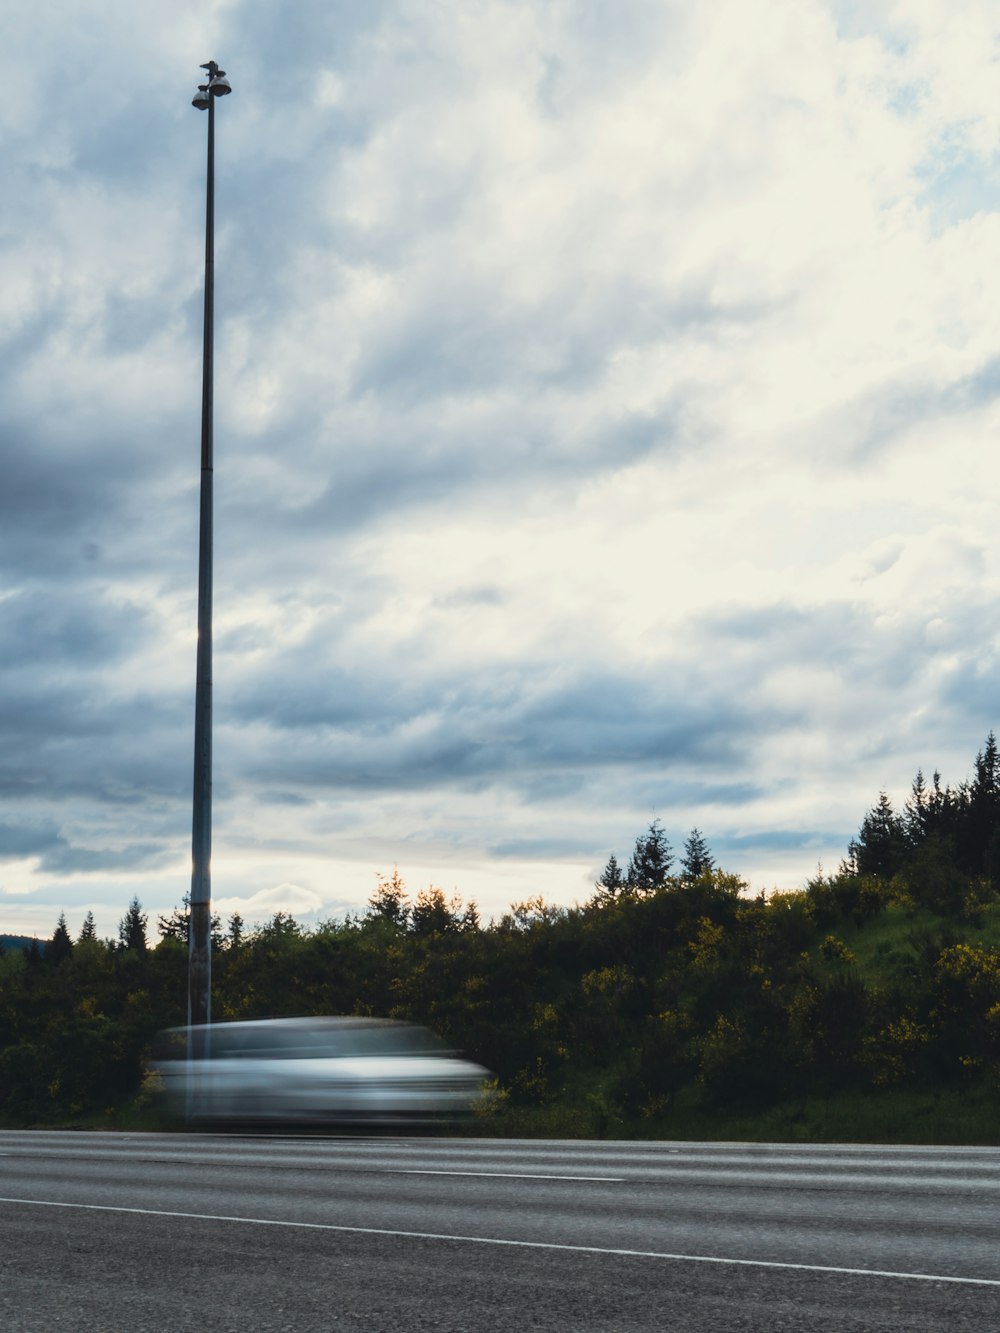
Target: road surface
[[215, 1232]]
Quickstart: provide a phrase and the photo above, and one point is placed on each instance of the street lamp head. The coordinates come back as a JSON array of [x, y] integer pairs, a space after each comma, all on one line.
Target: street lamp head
[[216, 86]]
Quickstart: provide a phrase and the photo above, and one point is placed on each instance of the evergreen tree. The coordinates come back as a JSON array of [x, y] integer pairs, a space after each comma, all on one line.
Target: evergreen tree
[[988, 768], [88, 930], [942, 807], [132, 928], [470, 919], [234, 935], [33, 956], [434, 914], [917, 812], [983, 815], [697, 859], [651, 861], [612, 881], [388, 902], [880, 846], [60, 946], [176, 925]]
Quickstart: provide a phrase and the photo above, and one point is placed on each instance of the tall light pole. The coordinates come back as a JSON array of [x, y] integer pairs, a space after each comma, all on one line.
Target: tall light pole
[[200, 926]]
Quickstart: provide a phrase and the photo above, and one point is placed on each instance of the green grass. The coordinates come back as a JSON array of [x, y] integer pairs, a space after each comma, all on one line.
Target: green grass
[[967, 1115], [899, 933], [961, 1115], [955, 1116]]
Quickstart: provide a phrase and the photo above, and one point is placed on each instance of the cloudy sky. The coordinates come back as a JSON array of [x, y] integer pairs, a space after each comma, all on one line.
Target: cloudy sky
[[607, 407]]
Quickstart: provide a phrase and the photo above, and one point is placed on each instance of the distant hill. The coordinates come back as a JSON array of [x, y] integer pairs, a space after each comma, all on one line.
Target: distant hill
[[19, 942]]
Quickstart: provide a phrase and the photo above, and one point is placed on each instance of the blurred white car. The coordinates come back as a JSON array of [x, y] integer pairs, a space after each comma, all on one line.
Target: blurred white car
[[334, 1070]]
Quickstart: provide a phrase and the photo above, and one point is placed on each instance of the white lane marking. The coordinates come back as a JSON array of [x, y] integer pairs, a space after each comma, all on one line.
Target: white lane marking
[[517, 1244], [494, 1175]]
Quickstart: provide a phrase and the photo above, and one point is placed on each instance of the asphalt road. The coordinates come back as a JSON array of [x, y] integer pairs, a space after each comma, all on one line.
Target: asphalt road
[[157, 1231]]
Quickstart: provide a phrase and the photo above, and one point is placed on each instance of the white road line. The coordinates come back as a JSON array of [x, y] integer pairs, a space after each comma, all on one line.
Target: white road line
[[517, 1244], [494, 1175]]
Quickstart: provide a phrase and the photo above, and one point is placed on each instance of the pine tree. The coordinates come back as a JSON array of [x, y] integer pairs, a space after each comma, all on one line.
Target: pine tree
[[697, 859], [132, 928], [880, 846], [917, 812], [88, 930], [60, 946], [389, 899], [177, 924], [612, 881], [988, 767], [651, 861], [982, 822], [942, 806], [33, 957], [234, 935], [470, 918], [434, 914]]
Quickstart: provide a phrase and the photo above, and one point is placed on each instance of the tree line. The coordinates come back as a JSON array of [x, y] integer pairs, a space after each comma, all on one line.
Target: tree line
[[944, 844], [671, 985]]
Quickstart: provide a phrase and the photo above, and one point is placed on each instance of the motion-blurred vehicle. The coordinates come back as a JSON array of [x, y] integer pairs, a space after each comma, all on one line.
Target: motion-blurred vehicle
[[314, 1070]]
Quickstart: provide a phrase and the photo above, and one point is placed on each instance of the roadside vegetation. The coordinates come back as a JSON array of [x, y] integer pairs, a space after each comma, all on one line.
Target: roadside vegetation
[[865, 1007]]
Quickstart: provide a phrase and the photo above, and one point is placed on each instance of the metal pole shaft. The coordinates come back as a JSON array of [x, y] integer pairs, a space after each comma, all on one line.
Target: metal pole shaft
[[200, 932]]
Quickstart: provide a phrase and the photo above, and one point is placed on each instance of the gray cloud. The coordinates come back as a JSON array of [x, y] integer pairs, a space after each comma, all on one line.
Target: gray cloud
[[24, 840], [883, 416], [786, 839], [534, 736], [56, 855], [540, 848], [66, 860]]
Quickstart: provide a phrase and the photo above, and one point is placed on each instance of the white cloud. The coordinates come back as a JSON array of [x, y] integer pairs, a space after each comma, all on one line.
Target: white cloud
[[292, 899]]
